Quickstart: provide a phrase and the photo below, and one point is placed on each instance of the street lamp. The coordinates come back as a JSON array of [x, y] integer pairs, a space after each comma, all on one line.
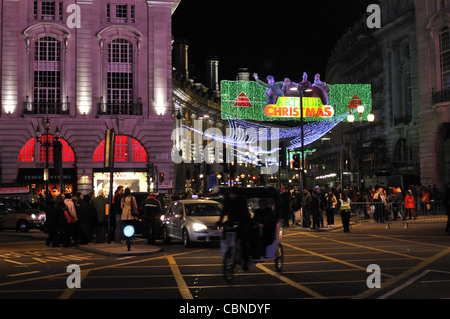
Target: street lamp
[[351, 119], [47, 145], [301, 93]]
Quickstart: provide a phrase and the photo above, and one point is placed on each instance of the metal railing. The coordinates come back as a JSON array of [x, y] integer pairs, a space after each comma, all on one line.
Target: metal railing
[[423, 213], [120, 108], [46, 107]]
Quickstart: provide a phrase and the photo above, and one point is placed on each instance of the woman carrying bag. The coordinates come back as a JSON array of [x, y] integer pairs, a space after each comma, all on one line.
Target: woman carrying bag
[[129, 208]]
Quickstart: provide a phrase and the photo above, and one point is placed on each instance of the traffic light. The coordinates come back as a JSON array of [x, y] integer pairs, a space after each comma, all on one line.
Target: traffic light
[[150, 170], [297, 160], [161, 177]]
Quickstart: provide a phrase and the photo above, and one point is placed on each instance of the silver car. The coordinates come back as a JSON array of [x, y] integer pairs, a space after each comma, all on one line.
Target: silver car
[[192, 220]]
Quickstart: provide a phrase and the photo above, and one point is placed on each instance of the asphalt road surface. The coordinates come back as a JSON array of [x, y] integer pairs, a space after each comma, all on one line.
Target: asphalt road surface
[[413, 263]]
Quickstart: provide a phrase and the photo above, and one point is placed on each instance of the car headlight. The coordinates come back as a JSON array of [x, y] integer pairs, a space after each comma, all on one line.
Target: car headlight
[[162, 218], [197, 227], [33, 216]]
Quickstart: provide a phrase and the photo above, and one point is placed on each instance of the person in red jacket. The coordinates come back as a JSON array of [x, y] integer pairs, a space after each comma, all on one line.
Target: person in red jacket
[[409, 206]]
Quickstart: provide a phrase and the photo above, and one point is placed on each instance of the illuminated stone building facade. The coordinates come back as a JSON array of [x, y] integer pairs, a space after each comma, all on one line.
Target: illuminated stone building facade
[[433, 50], [386, 151], [87, 66]]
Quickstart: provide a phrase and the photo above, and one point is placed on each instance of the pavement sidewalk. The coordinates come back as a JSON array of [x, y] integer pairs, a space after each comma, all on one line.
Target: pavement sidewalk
[[139, 247]]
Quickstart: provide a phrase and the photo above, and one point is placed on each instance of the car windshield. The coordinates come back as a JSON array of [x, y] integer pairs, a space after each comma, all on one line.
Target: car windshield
[[203, 209]]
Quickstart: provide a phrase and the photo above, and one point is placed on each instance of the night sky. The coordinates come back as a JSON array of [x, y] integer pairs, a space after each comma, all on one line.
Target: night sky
[[280, 38]]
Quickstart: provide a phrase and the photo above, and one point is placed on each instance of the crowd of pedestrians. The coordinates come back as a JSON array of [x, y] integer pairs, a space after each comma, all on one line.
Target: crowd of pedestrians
[[83, 218], [79, 219], [312, 207]]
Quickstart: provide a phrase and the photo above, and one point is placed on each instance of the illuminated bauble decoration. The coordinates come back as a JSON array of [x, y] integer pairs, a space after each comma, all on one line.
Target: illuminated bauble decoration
[[351, 118]]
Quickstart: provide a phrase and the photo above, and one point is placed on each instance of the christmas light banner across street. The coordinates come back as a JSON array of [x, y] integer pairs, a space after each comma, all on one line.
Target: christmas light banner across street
[[249, 101]]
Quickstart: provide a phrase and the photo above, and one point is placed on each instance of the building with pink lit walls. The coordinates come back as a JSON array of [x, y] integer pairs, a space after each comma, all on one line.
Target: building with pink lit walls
[[86, 66]]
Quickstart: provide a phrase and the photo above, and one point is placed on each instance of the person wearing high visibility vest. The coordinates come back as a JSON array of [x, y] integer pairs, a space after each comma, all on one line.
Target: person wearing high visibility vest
[[345, 210]]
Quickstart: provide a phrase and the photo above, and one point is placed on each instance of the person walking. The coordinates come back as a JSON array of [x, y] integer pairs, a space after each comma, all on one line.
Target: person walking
[[315, 210], [330, 206], [87, 218], [345, 209], [99, 203], [306, 209], [152, 212], [128, 205], [296, 204], [409, 204]]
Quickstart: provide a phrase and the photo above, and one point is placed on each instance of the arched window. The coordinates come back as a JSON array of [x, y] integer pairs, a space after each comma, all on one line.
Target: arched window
[[444, 40], [47, 76], [122, 148], [28, 152]]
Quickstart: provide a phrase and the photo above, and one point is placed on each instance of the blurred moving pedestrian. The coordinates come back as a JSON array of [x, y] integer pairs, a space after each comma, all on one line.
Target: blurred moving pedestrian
[[99, 203]]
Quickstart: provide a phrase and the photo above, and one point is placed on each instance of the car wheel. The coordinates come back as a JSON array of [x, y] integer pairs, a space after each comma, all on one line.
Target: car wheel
[[165, 235], [22, 226], [185, 238]]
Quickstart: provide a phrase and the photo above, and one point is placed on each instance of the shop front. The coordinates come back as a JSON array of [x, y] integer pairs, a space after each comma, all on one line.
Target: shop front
[[33, 178], [136, 181]]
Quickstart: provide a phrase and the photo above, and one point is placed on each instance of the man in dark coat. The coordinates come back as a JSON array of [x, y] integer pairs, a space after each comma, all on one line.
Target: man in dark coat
[[55, 221], [87, 218], [151, 219], [99, 203]]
